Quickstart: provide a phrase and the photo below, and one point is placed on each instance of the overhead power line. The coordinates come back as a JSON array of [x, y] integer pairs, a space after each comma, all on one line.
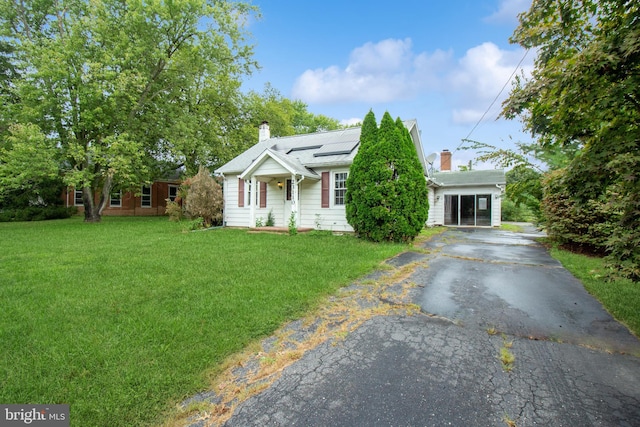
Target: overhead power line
[[494, 100]]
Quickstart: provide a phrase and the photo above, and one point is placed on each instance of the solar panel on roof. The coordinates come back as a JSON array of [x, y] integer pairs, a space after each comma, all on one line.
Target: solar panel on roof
[[302, 148], [337, 148]]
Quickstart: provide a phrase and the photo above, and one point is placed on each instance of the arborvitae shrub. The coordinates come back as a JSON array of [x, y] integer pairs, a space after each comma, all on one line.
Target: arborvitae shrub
[[386, 196]]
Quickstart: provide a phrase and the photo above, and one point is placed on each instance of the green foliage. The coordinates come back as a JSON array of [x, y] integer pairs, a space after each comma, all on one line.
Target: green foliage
[[293, 228], [27, 161], [585, 227], [286, 117], [386, 197], [36, 213], [583, 96], [510, 211], [174, 210], [271, 220], [114, 85], [259, 222], [524, 189], [194, 224], [204, 199]]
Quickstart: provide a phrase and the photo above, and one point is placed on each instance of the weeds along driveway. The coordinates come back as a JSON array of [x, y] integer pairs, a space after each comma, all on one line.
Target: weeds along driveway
[[481, 328]]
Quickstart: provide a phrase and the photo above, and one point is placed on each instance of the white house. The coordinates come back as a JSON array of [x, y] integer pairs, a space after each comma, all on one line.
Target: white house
[[470, 198], [303, 177]]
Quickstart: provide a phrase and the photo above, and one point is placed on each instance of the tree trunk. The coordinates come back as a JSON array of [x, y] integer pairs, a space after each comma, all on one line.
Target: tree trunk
[[105, 194], [91, 214]]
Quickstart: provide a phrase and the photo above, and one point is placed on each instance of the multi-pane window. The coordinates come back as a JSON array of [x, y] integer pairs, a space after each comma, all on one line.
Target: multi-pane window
[[145, 198], [173, 192], [115, 200], [77, 198], [340, 188]]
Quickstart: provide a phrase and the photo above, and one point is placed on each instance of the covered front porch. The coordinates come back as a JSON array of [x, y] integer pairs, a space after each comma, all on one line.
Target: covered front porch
[[277, 181]]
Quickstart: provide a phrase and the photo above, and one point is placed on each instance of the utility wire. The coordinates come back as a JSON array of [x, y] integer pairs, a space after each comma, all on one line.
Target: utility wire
[[494, 100]]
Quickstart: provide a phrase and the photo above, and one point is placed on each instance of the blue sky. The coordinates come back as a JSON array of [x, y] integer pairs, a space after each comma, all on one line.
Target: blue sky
[[440, 62]]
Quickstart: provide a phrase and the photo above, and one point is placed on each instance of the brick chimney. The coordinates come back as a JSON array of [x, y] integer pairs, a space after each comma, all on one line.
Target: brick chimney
[[264, 133], [445, 161]]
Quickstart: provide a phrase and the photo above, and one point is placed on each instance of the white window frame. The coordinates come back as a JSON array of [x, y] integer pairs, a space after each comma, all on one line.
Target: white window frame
[[175, 190], [144, 197], [118, 199], [77, 198], [339, 193]]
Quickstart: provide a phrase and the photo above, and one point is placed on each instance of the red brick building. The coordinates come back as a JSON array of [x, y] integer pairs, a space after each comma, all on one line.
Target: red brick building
[[148, 201]]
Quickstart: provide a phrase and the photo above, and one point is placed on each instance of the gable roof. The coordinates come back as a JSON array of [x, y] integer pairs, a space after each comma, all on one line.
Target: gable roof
[[469, 178], [305, 152], [288, 163]]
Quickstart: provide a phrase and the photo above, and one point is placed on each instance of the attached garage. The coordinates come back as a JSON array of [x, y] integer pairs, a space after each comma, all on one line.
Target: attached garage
[[466, 199]]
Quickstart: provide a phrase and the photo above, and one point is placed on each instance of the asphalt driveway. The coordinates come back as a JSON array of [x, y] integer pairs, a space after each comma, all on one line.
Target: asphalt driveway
[[480, 292]]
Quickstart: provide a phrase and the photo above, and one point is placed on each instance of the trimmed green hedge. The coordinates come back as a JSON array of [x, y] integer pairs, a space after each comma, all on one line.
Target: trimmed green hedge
[[36, 213]]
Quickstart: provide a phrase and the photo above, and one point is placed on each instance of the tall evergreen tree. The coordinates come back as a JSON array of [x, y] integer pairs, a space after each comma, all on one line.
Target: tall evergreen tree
[[357, 181], [386, 190]]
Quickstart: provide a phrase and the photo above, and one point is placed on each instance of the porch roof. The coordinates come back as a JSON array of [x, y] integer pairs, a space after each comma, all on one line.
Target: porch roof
[[290, 165]]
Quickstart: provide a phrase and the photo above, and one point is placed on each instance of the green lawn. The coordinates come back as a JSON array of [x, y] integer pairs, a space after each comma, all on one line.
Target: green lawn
[[620, 297], [125, 318]]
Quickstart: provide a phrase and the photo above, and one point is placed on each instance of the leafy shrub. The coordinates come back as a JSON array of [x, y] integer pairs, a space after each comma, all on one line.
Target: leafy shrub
[[204, 198], [194, 224], [293, 229], [271, 221], [512, 211], [583, 225], [174, 210], [37, 213]]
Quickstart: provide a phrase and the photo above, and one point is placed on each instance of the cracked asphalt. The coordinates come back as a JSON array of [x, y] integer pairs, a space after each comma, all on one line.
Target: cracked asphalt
[[480, 292]]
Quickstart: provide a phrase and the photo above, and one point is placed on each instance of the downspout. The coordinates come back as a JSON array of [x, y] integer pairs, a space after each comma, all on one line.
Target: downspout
[[224, 201]]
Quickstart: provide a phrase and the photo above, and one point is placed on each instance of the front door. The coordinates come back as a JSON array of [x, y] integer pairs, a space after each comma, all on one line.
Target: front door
[[468, 210], [287, 202]]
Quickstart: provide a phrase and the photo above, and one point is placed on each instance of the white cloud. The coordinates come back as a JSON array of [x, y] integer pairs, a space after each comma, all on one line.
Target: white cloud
[[377, 72], [351, 122], [466, 115], [508, 11], [480, 76], [390, 70]]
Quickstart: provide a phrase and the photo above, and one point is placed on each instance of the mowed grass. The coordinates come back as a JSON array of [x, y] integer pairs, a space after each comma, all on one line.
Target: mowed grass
[[125, 318], [620, 297]]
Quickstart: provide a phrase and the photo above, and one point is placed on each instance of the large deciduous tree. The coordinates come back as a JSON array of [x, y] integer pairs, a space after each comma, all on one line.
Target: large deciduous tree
[[117, 84], [386, 196], [585, 92]]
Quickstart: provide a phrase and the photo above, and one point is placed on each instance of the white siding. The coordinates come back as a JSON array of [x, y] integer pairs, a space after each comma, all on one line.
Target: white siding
[[269, 167], [275, 205], [233, 215], [436, 207], [312, 214]]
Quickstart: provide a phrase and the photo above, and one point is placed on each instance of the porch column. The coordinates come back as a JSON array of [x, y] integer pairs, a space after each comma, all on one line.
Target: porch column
[[252, 201], [294, 200]]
